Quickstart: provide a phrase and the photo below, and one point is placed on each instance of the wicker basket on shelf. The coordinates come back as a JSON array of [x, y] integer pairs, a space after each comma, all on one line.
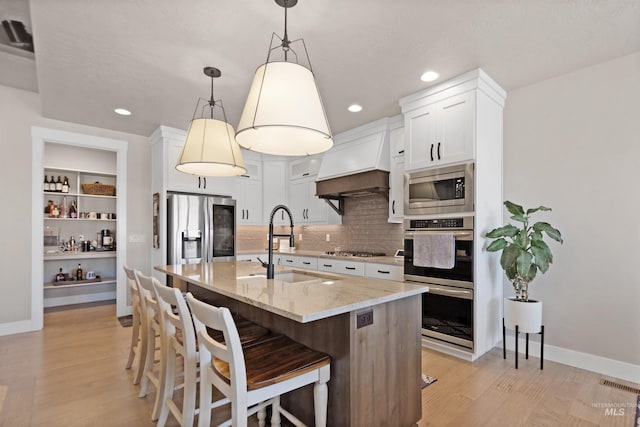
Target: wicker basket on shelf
[[98, 189]]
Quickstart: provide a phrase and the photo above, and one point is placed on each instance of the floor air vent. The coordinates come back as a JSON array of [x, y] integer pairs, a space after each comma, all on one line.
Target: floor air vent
[[619, 386]]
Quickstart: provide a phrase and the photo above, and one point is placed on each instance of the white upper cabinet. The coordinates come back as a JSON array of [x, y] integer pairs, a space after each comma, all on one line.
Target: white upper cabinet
[[305, 206], [274, 189], [440, 133], [166, 148], [441, 122], [247, 190], [396, 174]]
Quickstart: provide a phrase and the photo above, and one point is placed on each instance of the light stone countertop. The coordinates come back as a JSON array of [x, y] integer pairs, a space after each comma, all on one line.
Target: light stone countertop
[[389, 260], [319, 296]]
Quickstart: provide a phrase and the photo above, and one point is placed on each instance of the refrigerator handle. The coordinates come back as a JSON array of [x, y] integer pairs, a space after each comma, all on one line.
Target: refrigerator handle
[[205, 231]]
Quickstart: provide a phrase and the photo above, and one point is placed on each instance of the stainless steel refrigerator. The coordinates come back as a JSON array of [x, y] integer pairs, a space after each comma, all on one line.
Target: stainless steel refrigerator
[[200, 228]]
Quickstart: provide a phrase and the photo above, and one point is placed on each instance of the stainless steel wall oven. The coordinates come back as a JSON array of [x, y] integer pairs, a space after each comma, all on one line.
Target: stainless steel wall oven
[[447, 309]]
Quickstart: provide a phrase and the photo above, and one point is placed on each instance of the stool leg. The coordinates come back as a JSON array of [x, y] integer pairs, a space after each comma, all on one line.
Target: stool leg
[[504, 340], [320, 397], [517, 346], [527, 347], [541, 347]]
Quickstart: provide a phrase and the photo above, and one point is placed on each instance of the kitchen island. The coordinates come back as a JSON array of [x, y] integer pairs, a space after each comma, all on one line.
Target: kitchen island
[[370, 328]]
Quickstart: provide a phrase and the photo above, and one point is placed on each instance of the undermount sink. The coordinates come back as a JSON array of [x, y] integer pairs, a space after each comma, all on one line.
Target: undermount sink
[[289, 277]]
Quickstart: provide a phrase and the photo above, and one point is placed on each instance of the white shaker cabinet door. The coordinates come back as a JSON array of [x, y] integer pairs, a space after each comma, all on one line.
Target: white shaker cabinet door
[[441, 133]]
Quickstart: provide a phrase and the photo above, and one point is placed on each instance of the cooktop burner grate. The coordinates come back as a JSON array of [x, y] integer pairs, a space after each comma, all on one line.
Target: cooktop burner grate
[[363, 254]]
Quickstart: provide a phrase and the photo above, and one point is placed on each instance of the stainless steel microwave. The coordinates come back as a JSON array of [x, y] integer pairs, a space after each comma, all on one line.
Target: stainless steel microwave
[[439, 190]]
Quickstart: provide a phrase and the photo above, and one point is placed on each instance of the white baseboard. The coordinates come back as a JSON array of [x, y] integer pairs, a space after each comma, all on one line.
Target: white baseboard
[[589, 362], [18, 327]]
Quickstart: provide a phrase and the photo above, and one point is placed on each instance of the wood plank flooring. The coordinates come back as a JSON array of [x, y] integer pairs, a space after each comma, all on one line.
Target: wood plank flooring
[[72, 374]]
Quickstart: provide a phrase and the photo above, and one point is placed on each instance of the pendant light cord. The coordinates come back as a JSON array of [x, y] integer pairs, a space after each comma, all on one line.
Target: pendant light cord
[[212, 102], [285, 39]]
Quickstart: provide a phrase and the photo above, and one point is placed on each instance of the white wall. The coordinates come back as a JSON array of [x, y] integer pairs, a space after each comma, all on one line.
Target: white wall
[[19, 111], [572, 143]]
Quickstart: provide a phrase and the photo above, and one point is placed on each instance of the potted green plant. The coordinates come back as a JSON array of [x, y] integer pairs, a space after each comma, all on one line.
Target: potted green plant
[[524, 253]]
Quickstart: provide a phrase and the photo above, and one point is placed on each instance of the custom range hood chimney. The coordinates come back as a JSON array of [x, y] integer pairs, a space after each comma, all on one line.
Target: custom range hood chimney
[[357, 165]]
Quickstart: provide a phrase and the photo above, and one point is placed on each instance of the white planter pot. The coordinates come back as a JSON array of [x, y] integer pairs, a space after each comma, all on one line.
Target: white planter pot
[[527, 315]]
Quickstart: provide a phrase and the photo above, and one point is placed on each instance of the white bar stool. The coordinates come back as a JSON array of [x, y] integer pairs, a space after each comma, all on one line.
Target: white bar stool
[[154, 333], [139, 331], [180, 341], [254, 377]]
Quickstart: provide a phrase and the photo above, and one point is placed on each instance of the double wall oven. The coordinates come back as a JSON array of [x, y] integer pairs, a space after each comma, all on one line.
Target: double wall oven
[[447, 309]]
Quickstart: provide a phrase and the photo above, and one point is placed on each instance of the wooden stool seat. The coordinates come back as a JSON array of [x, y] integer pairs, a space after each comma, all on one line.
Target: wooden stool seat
[[275, 360]]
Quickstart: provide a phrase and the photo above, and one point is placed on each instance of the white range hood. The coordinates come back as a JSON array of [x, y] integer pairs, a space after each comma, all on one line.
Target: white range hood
[[359, 150], [357, 165]]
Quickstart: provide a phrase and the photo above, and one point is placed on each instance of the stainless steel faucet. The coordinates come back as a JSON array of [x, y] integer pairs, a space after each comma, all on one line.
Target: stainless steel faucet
[[269, 266]]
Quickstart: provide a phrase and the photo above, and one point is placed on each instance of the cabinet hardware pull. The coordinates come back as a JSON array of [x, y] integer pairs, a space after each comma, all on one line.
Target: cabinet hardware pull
[[306, 262], [393, 207], [432, 152], [205, 182], [438, 151], [247, 213], [199, 181], [327, 265], [305, 174], [289, 260], [383, 272], [350, 268], [401, 152]]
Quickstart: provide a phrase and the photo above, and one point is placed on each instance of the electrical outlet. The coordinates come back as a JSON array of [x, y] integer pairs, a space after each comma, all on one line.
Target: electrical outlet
[[364, 319], [300, 237], [328, 238]]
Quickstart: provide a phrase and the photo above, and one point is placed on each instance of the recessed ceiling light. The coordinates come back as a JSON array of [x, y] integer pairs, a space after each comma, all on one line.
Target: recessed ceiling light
[[122, 111], [429, 76], [354, 108]]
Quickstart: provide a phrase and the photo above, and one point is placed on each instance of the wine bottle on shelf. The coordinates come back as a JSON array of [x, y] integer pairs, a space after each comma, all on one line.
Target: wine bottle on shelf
[[73, 213], [46, 183], [65, 185], [79, 273], [60, 276], [59, 185]]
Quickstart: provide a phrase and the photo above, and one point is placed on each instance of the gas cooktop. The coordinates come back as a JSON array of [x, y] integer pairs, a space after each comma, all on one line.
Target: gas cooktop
[[363, 254]]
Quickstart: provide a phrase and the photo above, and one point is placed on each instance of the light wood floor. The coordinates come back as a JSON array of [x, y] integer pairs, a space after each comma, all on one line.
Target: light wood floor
[[72, 374]]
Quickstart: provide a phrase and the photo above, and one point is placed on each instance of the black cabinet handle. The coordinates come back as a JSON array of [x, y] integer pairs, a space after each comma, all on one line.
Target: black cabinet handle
[[401, 152], [205, 182], [247, 213], [383, 272], [305, 174], [199, 181], [432, 152], [288, 260], [327, 265], [438, 151], [306, 262], [282, 214], [393, 207], [350, 268]]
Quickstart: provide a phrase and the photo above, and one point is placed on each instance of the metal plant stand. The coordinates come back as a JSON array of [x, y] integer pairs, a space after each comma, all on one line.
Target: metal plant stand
[[504, 344]]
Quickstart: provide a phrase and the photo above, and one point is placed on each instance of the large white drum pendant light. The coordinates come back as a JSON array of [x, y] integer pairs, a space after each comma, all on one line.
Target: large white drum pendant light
[[210, 148], [283, 114]]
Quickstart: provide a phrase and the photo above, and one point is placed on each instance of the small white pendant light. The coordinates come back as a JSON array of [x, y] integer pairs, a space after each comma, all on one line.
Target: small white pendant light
[[283, 114], [210, 148]]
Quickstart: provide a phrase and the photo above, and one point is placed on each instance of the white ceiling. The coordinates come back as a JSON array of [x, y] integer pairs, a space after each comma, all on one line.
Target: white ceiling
[[148, 55]]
